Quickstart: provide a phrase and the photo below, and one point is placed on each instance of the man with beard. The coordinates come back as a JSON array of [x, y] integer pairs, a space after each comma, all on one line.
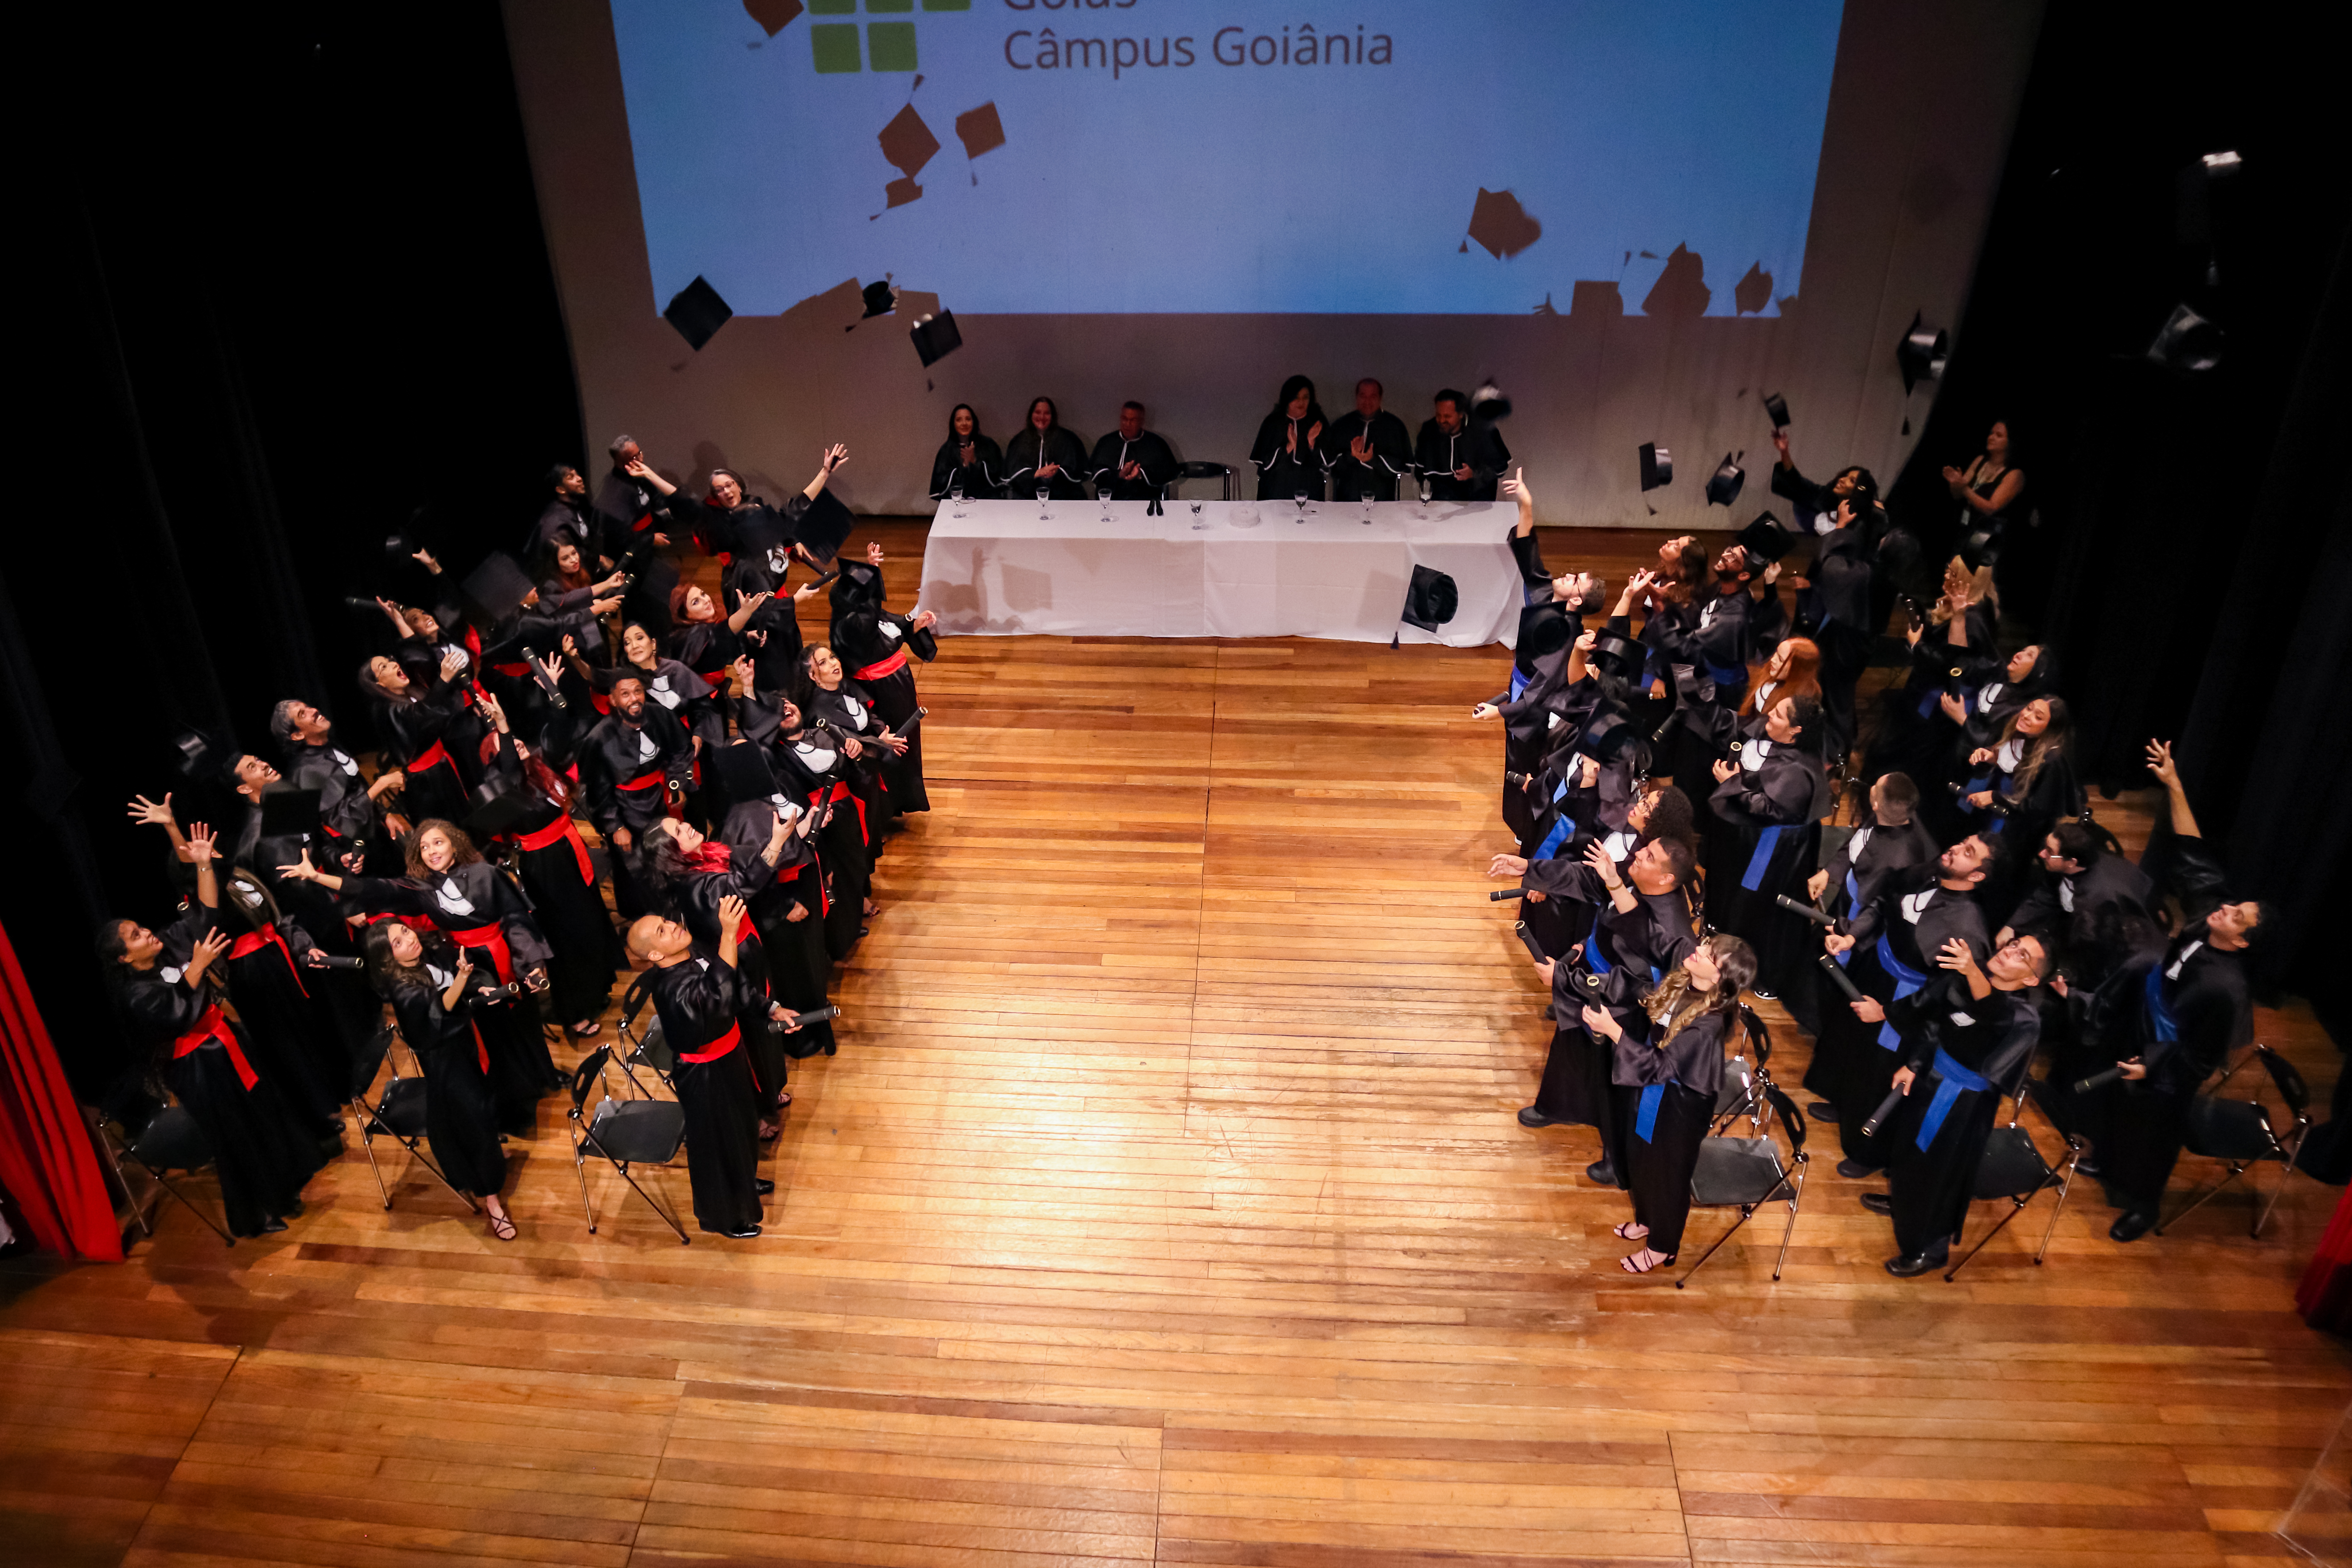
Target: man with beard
[[349, 809], [1366, 448], [628, 762]]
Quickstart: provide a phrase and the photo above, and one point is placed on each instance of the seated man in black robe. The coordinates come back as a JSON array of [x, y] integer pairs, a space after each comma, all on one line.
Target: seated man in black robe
[[1132, 462], [1463, 461], [1366, 448]]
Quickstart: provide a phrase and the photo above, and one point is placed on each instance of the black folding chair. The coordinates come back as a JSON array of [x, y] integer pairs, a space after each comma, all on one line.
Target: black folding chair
[[1749, 1172], [1742, 1091], [627, 1132], [170, 1141], [398, 1114], [2013, 1168], [1202, 471], [2241, 1134]]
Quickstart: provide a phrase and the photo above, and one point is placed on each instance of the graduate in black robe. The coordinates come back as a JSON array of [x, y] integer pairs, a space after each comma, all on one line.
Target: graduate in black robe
[[1887, 950], [2179, 1014], [565, 515], [1642, 930], [1664, 1077], [1953, 657], [839, 706], [969, 458], [2087, 899], [263, 1148], [1367, 449], [877, 648], [349, 809], [813, 765], [1834, 611], [1462, 458], [695, 993], [1288, 461], [695, 876], [416, 722], [628, 766], [1132, 463], [1046, 453], [1703, 657], [1968, 1036], [560, 880], [771, 633], [1768, 804], [731, 520], [671, 685], [451, 888], [438, 994], [631, 506], [2020, 788], [1888, 838], [788, 907], [707, 639]]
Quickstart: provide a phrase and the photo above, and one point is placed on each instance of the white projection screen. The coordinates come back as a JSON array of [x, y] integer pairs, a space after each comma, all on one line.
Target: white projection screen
[[1637, 219]]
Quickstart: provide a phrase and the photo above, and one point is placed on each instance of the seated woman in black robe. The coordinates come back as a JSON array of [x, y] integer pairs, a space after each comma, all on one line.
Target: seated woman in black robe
[[1288, 452], [416, 723], [437, 993], [263, 1148], [967, 459], [1046, 454], [1663, 1084]]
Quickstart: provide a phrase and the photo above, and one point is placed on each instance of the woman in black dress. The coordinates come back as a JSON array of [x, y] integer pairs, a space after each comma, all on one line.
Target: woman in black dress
[[1288, 451], [877, 647], [263, 1148], [415, 721], [967, 458], [437, 995], [832, 700], [1662, 1088], [1044, 453]]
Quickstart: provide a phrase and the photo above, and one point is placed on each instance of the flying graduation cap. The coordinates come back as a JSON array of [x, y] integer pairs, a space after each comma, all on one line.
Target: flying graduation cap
[[1657, 468], [936, 337], [1767, 539], [697, 312], [1723, 484], [1431, 599], [822, 527], [1921, 353], [1777, 409]]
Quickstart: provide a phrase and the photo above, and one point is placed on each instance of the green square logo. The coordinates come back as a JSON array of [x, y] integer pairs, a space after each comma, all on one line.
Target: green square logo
[[833, 8], [946, 4], [890, 45], [835, 44], [889, 4]]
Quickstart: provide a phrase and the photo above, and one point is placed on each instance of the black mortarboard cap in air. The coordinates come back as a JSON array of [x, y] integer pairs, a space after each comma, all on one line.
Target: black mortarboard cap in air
[[697, 311], [1767, 539], [823, 526], [1921, 353], [936, 337], [741, 772], [493, 806], [1613, 653], [205, 756], [1723, 484], [880, 300], [2186, 342], [1430, 599], [1607, 736], [1544, 629], [1657, 465], [1489, 403], [494, 590], [1777, 407], [289, 811]]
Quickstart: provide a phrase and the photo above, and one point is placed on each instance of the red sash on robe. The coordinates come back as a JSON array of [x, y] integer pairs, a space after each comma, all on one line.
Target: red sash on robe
[[433, 757], [213, 1026], [716, 1049], [252, 942], [891, 666], [493, 937], [562, 827]]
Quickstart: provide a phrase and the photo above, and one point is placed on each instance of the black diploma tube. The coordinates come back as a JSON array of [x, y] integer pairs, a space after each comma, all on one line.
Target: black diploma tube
[[330, 961], [1829, 967], [1818, 916], [1885, 1108], [1499, 894], [2099, 1080], [1528, 940], [815, 1015]]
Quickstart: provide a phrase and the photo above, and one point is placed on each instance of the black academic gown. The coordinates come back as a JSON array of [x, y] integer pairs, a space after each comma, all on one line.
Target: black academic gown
[[1662, 1101], [724, 871], [1854, 867], [1115, 451], [1439, 456], [559, 879], [799, 967], [983, 477], [461, 1113], [1968, 1056], [851, 716], [1897, 933], [1289, 465], [2099, 915], [1624, 957], [1352, 479], [346, 814], [293, 1039], [771, 636], [1836, 608], [1763, 844], [879, 650], [813, 771], [421, 737], [1028, 451], [2022, 814], [623, 767], [2183, 1011], [263, 1148], [697, 1002], [627, 512]]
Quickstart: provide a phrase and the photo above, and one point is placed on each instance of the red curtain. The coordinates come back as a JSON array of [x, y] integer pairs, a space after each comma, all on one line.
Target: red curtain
[[2325, 1296], [45, 1160]]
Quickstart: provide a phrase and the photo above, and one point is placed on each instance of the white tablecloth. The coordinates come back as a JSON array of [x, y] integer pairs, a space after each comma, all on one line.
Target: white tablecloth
[[1252, 568]]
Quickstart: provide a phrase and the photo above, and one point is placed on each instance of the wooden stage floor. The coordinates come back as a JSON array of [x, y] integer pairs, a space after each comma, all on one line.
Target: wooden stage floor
[[1165, 1203]]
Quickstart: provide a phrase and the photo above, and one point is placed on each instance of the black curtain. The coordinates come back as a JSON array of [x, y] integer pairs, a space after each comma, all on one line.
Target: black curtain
[[294, 290], [2192, 535]]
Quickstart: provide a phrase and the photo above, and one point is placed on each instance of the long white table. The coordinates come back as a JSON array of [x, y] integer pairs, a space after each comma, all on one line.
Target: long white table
[[1250, 569]]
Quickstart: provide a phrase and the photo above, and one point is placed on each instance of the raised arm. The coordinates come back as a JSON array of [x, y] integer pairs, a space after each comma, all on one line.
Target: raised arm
[[2160, 764]]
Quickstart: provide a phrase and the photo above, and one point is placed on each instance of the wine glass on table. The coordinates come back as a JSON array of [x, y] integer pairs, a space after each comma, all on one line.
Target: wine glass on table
[[1045, 492], [1102, 490], [1425, 495], [1197, 523], [1367, 499], [1299, 499], [955, 494]]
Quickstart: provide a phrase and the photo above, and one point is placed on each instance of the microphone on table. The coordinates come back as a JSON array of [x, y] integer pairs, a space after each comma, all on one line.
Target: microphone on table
[[1829, 967], [329, 960], [1885, 1108], [1528, 940], [2099, 1080], [1812, 912]]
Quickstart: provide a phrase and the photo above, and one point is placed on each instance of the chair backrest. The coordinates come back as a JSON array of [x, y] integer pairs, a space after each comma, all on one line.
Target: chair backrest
[[590, 1067], [2291, 1087], [1758, 1035], [1738, 1092], [368, 1060], [1792, 1120], [172, 1141]]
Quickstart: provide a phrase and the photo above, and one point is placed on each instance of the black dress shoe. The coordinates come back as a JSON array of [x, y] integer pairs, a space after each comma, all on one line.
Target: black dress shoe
[[1601, 1171], [746, 1233], [1822, 1111], [1763, 996], [2131, 1225], [762, 1185], [1918, 1263], [273, 1227], [1854, 1170], [1878, 1203], [1530, 1116]]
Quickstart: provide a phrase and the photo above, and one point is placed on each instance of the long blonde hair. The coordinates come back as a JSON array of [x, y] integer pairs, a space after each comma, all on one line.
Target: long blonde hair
[[1676, 1003]]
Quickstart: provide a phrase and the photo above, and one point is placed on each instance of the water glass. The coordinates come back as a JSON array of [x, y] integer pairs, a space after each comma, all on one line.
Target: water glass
[[955, 494], [1299, 499], [1197, 523], [1044, 490]]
